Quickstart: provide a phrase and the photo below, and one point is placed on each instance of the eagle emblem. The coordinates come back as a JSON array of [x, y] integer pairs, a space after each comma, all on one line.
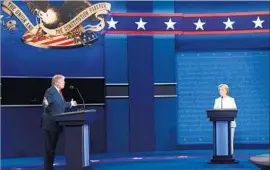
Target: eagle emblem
[[69, 24]]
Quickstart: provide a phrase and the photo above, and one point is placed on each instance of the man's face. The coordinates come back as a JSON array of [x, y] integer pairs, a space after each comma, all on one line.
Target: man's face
[[61, 83]]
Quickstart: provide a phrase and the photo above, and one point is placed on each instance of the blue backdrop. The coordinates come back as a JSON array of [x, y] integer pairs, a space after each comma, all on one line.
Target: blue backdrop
[[143, 119], [246, 73], [20, 59]]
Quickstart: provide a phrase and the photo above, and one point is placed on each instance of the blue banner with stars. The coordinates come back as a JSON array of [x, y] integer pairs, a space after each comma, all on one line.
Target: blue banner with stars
[[188, 24]]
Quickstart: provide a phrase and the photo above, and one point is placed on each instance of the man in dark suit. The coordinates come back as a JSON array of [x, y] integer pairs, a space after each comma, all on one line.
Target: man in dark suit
[[53, 103]]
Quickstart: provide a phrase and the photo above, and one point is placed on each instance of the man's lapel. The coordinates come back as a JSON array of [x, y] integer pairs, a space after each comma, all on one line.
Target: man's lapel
[[59, 97]]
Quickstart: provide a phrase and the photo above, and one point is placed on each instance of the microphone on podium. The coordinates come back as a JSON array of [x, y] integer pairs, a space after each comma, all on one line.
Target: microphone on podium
[[72, 87], [221, 102]]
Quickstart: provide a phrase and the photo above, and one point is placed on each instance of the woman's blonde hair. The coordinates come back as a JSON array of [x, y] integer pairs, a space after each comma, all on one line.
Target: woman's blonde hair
[[226, 87], [56, 78]]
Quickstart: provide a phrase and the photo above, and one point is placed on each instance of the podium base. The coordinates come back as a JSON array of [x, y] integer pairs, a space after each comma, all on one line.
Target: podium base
[[223, 160]]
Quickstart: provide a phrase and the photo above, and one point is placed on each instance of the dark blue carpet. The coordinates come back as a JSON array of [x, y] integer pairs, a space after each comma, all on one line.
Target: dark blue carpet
[[176, 160]]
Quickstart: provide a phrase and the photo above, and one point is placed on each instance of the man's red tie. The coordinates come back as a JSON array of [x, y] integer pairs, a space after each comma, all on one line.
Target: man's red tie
[[61, 94]]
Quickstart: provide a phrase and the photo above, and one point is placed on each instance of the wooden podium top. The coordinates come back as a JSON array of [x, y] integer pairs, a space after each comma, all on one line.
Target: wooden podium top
[[75, 112]]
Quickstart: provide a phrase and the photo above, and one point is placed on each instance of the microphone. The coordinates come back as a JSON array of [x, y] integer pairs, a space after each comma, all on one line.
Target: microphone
[[72, 87], [221, 101]]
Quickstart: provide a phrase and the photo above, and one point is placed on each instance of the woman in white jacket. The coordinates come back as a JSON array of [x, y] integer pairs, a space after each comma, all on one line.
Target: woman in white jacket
[[226, 102]]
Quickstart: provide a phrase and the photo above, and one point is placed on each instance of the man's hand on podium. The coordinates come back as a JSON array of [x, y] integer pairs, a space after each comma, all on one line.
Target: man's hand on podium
[[45, 102], [73, 103]]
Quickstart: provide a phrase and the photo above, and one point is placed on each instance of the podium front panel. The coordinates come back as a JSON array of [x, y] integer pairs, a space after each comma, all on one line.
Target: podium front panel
[[222, 138]]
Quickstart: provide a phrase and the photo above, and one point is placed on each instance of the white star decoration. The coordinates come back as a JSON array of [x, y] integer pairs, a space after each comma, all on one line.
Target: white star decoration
[[141, 24], [199, 24], [229, 23], [258, 22], [170, 24], [112, 23]]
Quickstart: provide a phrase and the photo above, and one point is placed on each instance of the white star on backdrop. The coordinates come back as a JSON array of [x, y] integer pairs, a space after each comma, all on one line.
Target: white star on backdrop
[[170, 24], [258, 22], [141, 24], [199, 24], [229, 23], [112, 23]]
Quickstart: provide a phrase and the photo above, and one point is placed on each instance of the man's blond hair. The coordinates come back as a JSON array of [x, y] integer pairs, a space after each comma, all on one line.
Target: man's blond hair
[[56, 78]]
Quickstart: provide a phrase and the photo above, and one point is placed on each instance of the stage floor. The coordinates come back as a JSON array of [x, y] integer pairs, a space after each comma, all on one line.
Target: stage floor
[[173, 160]]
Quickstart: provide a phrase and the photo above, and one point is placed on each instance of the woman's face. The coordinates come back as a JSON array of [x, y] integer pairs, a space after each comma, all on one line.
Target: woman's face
[[222, 91]]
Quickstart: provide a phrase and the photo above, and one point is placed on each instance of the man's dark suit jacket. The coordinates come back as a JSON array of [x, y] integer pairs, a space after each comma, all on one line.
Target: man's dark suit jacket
[[56, 105]]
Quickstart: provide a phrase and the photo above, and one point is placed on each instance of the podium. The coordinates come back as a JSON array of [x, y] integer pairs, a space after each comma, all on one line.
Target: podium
[[221, 119], [76, 127]]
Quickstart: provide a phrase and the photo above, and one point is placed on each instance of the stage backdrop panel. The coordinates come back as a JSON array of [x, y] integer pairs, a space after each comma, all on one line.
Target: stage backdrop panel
[[42, 56], [199, 74], [191, 7]]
